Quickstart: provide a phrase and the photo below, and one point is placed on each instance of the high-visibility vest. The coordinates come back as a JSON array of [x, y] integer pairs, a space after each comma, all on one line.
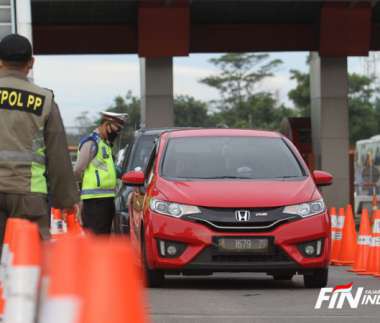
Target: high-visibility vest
[[99, 179], [24, 111]]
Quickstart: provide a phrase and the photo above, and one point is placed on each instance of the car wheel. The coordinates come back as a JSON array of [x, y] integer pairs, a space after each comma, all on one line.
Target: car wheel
[[283, 277], [316, 279], [154, 278]]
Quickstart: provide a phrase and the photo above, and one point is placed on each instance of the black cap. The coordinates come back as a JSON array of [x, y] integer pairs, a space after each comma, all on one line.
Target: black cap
[[15, 48]]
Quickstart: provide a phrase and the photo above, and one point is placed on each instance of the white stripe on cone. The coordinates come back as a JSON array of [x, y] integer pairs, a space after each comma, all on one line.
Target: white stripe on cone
[[63, 309], [4, 261], [376, 226], [364, 240], [7, 269], [58, 227], [339, 222], [21, 303]]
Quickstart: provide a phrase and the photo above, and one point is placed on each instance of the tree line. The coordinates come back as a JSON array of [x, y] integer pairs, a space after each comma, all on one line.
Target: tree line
[[243, 104]]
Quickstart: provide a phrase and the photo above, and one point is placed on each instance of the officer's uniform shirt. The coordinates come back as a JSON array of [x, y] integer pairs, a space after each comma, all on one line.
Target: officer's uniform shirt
[[61, 182]]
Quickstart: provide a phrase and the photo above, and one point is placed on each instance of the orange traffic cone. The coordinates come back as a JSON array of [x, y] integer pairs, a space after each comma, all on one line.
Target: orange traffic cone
[[364, 241], [45, 270], [65, 271], [111, 267], [371, 262], [339, 224], [73, 225], [347, 250], [333, 221], [376, 244], [6, 257], [57, 225], [24, 275]]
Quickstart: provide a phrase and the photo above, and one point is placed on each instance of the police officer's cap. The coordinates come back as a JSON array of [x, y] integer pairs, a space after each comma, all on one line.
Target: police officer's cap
[[15, 48], [117, 118]]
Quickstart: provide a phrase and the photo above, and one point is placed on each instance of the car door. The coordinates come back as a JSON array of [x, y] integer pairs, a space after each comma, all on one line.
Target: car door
[[137, 201], [121, 222]]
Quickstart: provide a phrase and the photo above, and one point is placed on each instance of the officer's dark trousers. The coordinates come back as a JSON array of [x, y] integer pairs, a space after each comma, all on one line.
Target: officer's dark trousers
[[33, 207], [98, 214]]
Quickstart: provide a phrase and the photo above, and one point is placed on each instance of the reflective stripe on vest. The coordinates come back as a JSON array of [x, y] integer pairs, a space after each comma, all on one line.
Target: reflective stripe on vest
[[18, 156], [37, 166], [97, 191]]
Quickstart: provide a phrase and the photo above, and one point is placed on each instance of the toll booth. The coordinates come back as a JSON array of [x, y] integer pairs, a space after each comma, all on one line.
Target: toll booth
[[298, 130]]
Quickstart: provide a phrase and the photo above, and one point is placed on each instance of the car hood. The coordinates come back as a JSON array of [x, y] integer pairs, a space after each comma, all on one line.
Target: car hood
[[233, 193]]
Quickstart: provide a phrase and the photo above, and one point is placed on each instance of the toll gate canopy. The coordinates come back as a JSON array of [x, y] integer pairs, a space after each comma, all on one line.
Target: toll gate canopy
[[156, 28]]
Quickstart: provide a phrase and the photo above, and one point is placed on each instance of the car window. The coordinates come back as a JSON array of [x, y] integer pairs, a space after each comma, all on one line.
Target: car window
[[141, 152], [151, 160], [120, 156], [126, 156], [230, 157]]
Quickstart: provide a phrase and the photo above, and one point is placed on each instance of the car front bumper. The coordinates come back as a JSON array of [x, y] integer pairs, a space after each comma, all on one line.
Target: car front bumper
[[201, 253]]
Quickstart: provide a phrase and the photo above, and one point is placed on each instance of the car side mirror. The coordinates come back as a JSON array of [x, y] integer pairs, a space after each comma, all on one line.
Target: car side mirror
[[134, 178], [322, 178]]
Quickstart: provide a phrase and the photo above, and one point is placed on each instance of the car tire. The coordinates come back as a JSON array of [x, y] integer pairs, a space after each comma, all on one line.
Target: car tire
[[316, 279], [283, 277], [154, 278]]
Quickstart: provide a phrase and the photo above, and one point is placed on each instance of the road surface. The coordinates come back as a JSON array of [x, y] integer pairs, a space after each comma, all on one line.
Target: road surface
[[254, 298]]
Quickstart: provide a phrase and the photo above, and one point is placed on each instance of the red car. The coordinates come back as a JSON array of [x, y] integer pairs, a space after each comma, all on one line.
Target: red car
[[228, 200]]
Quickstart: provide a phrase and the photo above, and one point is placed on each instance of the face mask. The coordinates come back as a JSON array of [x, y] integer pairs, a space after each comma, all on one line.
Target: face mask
[[112, 136]]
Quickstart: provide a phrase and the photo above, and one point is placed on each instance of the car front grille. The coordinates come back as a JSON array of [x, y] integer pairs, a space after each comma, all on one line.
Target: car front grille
[[224, 219]]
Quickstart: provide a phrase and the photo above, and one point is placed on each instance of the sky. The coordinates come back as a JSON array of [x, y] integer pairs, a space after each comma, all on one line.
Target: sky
[[89, 83]]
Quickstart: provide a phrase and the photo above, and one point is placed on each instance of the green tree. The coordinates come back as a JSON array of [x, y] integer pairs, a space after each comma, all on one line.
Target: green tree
[[300, 95], [242, 104], [239, 76], [189, 112], [361, 102], [364, 108], [259, 111]]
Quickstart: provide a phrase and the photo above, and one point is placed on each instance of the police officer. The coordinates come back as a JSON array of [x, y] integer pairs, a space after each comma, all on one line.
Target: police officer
[[96, 169], [33, 145]]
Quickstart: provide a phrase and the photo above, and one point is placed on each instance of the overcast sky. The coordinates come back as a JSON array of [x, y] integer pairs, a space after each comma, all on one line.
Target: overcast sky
[[90, 82]]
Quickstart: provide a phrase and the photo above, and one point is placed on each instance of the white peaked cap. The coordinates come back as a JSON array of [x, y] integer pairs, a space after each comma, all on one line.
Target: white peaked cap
[[119, 118]]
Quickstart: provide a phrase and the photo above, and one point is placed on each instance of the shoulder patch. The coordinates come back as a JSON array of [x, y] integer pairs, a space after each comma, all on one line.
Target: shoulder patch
[[20, 100], [94, 137]]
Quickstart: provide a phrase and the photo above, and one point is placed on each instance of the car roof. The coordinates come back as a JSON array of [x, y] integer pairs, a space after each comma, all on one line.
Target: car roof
[[157, 131], [223, 132]]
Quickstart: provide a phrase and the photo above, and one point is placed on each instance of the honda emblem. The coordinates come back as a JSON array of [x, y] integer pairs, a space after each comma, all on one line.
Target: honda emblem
[[242, 215]]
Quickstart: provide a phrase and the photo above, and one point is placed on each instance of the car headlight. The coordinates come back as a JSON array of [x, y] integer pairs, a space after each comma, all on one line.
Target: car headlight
[[173, 209], [306, 209]]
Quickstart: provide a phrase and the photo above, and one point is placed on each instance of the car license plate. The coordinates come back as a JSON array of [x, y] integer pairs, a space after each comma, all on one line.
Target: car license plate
[[252, 245]]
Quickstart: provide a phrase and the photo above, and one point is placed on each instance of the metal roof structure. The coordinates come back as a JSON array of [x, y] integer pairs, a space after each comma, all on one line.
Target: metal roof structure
[[181, 27]]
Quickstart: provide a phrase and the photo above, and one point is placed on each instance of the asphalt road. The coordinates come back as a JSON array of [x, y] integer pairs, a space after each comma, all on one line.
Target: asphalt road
[[248, 298]]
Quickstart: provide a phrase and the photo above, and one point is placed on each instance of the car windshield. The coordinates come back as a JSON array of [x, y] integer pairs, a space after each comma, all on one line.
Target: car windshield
[[142, 152], [229, 157]]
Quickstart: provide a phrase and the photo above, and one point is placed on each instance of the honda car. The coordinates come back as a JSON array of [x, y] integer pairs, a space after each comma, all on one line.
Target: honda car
[[229, 200], [134, 155]]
